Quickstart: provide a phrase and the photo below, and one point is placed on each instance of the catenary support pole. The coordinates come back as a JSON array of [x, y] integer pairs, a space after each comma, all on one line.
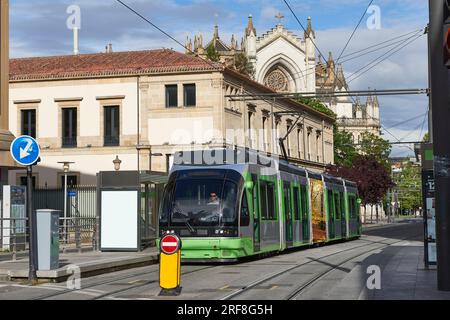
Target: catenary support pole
[[440, 102]]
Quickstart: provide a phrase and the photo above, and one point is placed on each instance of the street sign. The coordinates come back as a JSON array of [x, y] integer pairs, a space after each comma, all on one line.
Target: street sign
[[170, 244], [71, 194], [25, 150]]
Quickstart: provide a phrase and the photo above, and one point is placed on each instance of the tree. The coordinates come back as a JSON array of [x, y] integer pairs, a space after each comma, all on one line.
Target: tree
[[426, 137], [409, 187], [242, 65], [344, 149], [212, 54], [372, 177], [376, 147]]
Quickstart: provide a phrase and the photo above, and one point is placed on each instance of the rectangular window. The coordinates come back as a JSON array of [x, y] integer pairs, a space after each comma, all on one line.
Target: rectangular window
[[29, 123], [111, 126], [267, 194], [190, 95], [172, 96], [331, 206], [304, 202], [23, 181], [69, 127], [337, 205], [297, 213], [288, 141], [72, 181]]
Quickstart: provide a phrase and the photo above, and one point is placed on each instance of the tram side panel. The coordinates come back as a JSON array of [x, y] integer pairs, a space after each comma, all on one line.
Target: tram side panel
[[319, 223]]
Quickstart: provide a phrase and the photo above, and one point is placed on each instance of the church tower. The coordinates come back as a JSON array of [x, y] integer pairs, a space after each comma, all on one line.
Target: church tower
[[310, 59], [250, 41]]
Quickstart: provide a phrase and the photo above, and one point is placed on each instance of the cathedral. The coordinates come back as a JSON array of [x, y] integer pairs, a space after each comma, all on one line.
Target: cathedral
[[287, 63]]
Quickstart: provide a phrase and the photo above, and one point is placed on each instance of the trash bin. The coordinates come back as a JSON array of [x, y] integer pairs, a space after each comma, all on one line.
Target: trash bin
[[47, 239]]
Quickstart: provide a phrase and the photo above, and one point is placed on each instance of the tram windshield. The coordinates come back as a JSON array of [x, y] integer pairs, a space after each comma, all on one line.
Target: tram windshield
[[201, 200]]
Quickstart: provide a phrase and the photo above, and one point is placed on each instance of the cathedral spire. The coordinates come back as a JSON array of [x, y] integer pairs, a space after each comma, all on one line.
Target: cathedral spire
[[340, 78], [250, 26], [309, 33]]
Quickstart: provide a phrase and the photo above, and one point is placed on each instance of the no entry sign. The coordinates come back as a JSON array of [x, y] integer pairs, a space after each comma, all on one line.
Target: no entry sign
[[170, 244]]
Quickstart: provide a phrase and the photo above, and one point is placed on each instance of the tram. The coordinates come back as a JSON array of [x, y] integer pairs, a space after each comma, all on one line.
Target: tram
[[231, 204]]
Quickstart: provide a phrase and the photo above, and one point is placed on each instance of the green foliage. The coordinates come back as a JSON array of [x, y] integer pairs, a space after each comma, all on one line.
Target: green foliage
[[212, 54], [316, 105], [344, 150], [426, 137], [409, 186], [242, 65], [377, 147]]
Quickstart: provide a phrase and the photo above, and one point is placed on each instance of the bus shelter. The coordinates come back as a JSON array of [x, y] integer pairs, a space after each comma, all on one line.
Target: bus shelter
[[127, 213]]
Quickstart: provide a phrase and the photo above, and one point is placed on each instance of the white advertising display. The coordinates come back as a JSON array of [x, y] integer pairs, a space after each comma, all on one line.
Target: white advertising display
[[119, 223]]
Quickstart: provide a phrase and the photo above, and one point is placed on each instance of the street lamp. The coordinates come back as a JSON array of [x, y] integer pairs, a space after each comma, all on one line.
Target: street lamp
[[66, 167], [117, 163], [149, 148]]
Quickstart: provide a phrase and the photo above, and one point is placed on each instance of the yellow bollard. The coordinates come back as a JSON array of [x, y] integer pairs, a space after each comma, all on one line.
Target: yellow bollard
[[170, 265]]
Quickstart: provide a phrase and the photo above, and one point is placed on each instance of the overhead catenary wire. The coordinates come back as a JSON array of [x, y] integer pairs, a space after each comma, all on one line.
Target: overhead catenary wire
[[354, 31]]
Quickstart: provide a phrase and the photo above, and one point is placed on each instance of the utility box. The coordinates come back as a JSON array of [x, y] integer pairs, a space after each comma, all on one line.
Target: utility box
[[47, 239]]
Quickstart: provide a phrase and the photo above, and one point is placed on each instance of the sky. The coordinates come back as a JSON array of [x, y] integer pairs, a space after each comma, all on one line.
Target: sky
[[38, 28]]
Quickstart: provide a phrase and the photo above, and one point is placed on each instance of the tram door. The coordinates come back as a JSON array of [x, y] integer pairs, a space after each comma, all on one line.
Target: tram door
[[343, 216], [333, 208], [305, 213], [288, 214], [256, 216]]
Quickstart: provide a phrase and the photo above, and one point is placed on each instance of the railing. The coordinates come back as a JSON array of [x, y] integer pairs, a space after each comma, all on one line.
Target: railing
[[69, 142], [14, 235], [111, 141], [77, 233]]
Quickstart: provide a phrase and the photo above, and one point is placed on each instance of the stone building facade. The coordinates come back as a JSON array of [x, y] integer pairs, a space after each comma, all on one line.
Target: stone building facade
[[288, 63], [142, 107]]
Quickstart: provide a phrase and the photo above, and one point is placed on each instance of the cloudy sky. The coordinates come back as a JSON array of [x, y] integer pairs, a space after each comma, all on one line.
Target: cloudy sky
[[38, 28]]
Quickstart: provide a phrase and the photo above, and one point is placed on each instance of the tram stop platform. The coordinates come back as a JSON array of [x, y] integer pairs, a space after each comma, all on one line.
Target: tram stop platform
[[89, 263]]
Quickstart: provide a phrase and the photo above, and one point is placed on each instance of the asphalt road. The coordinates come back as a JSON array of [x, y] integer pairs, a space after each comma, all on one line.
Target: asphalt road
[[337, 271]]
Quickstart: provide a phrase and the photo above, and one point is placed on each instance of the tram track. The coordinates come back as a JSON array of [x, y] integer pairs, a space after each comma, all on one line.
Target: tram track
[[316, 278], [112, 281]]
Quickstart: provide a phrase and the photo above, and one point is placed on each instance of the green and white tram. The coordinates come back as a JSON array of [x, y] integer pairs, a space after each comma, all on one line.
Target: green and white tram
[[244, 204]]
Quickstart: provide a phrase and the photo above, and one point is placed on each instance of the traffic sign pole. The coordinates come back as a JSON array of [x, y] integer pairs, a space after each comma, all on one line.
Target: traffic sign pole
[[32, 275], [25, 151], [170, 265]]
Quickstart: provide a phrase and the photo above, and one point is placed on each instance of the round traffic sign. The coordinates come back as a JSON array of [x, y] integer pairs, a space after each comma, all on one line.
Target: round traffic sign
[[170, 244], [25, 150]]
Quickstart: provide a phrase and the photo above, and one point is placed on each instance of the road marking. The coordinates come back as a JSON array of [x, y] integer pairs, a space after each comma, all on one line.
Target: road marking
[[273, 287], [224, 287]]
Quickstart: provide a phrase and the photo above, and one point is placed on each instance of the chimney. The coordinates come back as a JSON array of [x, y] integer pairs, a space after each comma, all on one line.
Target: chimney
[[75, 41]]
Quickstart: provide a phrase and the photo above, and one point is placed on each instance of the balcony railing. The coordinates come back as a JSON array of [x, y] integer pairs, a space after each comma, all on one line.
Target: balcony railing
[[111, 141], [69, 142]]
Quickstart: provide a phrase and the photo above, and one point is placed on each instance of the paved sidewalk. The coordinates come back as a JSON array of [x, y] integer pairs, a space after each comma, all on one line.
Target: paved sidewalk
[[403, 277], [90, 263]]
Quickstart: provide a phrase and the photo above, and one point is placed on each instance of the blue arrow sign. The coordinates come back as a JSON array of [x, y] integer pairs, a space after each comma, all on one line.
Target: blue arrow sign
[[25, 150]]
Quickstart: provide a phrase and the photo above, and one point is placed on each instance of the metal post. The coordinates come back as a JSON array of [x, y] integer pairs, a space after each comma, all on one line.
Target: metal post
[[439, 99], [65, 208], [32, 275]]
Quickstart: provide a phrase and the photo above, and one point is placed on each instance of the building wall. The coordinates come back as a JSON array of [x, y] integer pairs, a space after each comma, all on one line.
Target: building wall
[[163, 131], [89, 97]]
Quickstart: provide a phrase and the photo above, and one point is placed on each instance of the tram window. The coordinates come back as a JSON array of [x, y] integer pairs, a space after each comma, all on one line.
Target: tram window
[[267, 194], [331, 206], [337, 206], [245, 213], [297, 214], [342, 205], [352, 204], [304, 202]]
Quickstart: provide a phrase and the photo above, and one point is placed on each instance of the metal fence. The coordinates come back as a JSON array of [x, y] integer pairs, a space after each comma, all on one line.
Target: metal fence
[[78, 226]]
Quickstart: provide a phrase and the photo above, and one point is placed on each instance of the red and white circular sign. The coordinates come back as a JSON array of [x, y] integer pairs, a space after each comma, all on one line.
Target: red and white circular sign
[[170, 244]]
